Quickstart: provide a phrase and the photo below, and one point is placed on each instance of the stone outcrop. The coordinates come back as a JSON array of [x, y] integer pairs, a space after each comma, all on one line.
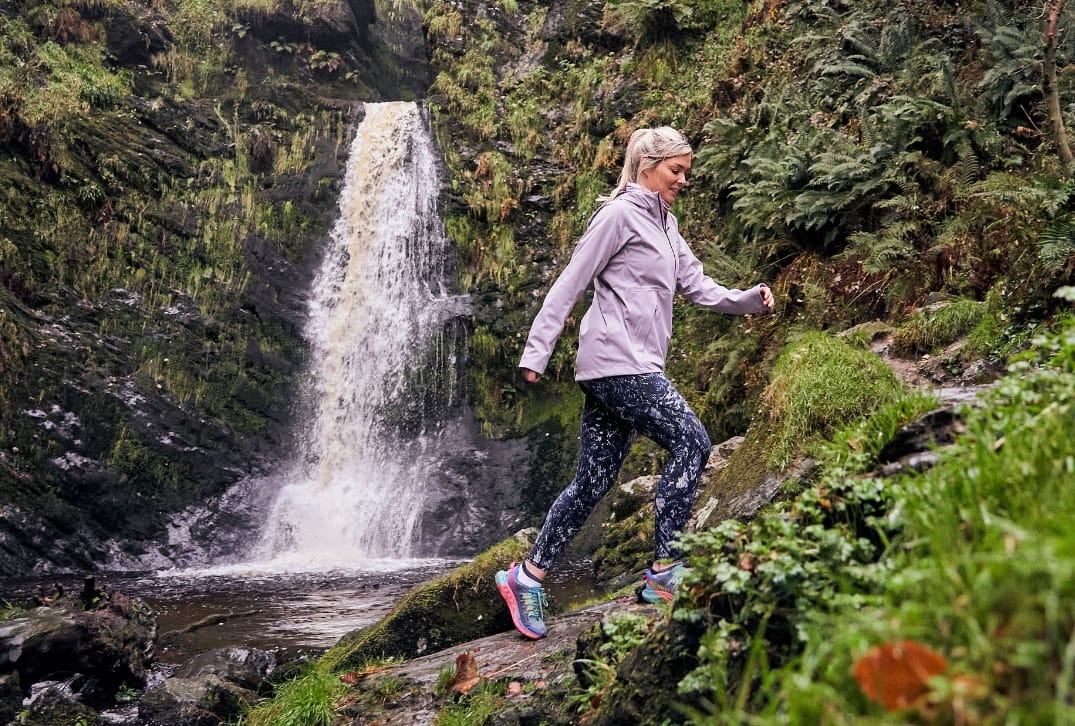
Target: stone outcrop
[[79, 649], [210, 689]]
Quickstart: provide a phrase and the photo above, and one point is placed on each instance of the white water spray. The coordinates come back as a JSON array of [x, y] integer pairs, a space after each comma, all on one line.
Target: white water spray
[[376, 323]]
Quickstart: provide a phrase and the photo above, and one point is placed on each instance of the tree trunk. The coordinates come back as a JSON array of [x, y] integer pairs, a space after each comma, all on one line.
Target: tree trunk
[[1052, 96]]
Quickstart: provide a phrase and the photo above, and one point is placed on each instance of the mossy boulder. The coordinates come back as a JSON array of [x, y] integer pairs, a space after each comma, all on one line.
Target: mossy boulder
[[819, 384], [627, 531], [459, 606]]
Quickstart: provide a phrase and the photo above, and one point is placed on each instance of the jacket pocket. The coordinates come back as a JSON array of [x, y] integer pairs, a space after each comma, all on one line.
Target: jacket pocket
[[644, 320]]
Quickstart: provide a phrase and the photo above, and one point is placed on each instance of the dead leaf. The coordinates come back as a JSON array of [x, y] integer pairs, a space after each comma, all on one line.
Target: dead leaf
[[515, 688], [746, 562], [896, 675], [466, 673], [353, 677]]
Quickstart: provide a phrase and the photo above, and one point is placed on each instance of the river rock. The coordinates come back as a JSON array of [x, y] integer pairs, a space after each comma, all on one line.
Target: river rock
[[206, 700], [211, 688], [96, 651], [245, 667], [56, 702]]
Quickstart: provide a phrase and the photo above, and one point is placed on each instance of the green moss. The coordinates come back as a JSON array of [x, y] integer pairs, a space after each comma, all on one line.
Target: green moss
[[820, 384], [454, 608]]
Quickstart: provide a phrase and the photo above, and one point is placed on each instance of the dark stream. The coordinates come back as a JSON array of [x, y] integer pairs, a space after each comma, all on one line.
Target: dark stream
[[290, 613]]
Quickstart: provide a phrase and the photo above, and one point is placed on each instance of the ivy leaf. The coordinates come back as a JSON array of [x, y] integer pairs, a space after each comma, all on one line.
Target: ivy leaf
[[896, 675]]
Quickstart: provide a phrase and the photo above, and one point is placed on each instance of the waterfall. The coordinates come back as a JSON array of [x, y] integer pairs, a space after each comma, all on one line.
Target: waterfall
[[383, 353]]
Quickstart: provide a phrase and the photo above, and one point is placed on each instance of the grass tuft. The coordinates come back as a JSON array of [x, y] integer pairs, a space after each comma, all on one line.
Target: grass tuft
[[307, 700], [931, 329]]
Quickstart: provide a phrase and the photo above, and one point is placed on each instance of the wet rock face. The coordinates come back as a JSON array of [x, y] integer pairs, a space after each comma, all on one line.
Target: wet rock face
[[211, 688]]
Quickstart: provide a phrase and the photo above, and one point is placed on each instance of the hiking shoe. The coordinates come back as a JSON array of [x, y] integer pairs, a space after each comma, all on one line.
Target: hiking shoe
[[661, 586], [527, 604]]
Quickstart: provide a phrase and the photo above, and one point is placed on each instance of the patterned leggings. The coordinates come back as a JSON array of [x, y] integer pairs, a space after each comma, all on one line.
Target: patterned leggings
[[616, 408]]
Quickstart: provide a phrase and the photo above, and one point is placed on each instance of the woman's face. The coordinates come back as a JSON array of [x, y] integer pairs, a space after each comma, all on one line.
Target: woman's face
[[667, 176]]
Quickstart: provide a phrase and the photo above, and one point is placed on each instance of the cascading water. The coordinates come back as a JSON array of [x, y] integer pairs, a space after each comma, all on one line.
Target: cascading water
[[381, 350], [392, 477]]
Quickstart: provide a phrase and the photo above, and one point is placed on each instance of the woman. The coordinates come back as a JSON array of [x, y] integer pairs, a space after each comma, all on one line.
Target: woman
[[636, 259]]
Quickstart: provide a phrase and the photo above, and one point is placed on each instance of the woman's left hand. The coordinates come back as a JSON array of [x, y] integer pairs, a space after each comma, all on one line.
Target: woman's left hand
[[767, 296]]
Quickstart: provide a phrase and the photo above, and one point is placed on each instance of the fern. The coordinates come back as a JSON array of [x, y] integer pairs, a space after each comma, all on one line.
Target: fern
[[879, 252], [1015, 73], [1056, 245]]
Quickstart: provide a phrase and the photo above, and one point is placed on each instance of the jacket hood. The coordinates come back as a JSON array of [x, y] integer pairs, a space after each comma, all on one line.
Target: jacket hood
[[643, 198]]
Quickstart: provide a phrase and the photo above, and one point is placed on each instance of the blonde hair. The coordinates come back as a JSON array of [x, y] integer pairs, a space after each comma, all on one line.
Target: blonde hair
[[645, 149]]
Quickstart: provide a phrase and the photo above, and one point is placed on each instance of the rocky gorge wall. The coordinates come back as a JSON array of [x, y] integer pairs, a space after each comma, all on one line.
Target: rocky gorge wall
[[169, 172]]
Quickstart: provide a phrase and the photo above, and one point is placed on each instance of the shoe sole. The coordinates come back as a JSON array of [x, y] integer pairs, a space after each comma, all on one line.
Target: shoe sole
[[513, 607]]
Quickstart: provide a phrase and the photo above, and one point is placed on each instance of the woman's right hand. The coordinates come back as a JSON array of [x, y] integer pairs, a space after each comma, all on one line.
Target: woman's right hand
[[531, 376]]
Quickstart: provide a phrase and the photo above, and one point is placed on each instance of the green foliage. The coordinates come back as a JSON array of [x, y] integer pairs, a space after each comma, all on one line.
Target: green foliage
[[854, 448], [617, 636], [935, 327], [968, 559], [758, 585], [9, 611]]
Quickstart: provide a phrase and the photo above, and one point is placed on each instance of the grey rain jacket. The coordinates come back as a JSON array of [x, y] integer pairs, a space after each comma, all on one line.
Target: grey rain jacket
[[636, 259]]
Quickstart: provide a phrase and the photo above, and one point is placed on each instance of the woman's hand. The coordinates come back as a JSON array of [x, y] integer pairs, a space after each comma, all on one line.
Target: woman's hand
[[531, 376], [767, 296]]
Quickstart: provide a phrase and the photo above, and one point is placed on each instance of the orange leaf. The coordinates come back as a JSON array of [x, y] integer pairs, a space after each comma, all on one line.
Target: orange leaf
[[353, 677], [897, 674], [466, 673]]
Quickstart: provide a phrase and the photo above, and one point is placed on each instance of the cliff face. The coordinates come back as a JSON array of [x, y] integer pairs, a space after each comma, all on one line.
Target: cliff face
[[168, 174]]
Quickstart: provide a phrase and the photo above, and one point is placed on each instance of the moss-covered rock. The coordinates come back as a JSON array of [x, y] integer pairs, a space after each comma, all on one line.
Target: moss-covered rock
[[819, 383], [627, 531], [459, 606]]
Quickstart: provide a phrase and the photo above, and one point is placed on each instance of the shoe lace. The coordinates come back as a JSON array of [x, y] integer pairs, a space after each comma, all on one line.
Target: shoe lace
[[535, 603], [669, 579]]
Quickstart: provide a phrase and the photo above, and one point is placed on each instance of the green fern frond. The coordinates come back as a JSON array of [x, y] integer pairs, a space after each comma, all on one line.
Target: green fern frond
[[1056, 245], [846, 68], [881, 251]]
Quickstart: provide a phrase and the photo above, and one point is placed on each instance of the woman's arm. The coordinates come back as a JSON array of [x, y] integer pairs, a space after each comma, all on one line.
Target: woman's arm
[[699, 288], [602, 239]]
